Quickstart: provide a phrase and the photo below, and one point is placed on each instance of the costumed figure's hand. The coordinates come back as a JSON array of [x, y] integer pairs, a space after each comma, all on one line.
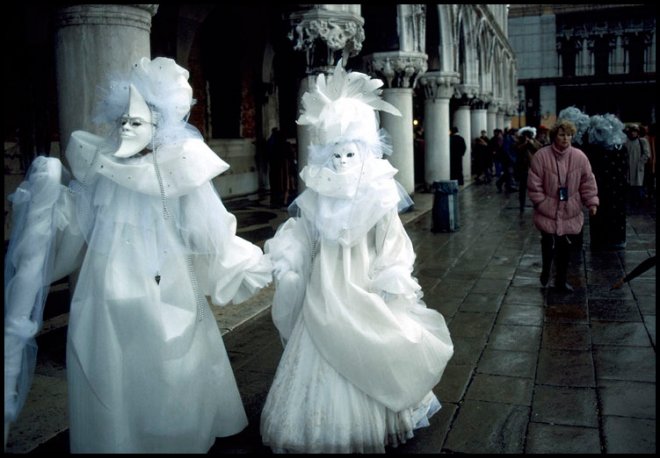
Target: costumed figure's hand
[[593, 210]]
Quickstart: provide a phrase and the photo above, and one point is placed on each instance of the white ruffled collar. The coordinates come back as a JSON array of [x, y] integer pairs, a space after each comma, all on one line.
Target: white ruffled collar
[[344, 206], [183, 166]]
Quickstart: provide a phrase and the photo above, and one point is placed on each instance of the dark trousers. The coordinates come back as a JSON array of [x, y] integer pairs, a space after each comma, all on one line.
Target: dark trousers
[[522, 190], [557, 247]]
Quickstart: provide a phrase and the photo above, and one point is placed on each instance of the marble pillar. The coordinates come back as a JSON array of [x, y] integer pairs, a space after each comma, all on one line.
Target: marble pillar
[[93, 44], [438, 89], [399, 72], [491, 117], [479, 121], [462, 122]]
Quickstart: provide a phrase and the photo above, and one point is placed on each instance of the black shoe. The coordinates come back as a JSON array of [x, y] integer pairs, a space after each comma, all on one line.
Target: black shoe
[[545, 276], [564, 288]]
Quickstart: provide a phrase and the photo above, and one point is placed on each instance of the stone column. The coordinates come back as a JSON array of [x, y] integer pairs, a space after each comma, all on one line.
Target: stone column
[[462, 122], [499, 122], [322, 33], [491, 117], [478, 119], [95, 43], [438, 89], [399, 71]]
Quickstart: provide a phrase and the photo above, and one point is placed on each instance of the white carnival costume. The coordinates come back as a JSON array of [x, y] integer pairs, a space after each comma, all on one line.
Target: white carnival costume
[[362, 351], [146, 366]]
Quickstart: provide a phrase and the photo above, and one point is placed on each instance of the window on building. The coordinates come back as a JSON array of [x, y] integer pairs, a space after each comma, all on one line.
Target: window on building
[[568, 56], [601, 56], [636, 54]]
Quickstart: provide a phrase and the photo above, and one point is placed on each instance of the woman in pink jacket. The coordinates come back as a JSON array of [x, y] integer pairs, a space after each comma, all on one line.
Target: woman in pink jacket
[[560, 181]]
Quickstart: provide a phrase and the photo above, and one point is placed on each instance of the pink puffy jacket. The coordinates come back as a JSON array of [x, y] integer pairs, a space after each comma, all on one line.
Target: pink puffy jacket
[[551, 215]]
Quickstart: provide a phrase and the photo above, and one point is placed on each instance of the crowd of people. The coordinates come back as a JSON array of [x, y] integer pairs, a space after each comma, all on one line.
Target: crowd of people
[[506, 156]]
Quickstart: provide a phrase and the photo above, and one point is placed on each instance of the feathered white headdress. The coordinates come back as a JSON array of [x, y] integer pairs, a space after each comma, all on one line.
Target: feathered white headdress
[[606, 130], [343, 109]]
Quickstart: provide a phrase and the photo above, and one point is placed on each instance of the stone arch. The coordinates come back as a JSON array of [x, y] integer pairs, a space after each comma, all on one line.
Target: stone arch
[[447, 42], [467, 61]]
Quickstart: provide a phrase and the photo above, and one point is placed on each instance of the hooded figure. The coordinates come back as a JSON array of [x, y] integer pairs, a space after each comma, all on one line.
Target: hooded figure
[[362, 351], [147, 370]]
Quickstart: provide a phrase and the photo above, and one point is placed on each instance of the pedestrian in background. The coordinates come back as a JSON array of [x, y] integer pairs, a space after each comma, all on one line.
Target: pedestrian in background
[[638, 154], [560, 181], [525, 149], [457, 149]]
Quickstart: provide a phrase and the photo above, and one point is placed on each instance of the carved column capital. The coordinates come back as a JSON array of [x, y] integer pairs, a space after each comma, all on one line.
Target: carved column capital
[[494, 105], [468, 91], [138, 15], [398, 69], [439, 85], [335, 31], [486, 98]]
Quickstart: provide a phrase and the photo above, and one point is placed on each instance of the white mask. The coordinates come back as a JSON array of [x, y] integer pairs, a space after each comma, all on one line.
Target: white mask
[[345, 156], [135, 126]]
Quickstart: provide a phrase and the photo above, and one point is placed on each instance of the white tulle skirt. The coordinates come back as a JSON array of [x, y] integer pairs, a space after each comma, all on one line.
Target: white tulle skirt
[[311, 408]]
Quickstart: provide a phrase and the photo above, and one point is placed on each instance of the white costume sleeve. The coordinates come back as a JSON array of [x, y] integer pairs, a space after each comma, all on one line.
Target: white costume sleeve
[[291, 251], [44, 246], [230, 268], [395, 257]]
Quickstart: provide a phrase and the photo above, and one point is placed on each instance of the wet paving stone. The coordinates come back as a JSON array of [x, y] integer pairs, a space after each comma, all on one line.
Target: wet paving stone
[[472, 325], [509, 363], [514, 337], [604, 292], [625, 363], [647, 305], [447, 306], [526, 278], [498, 272], [453, 287], [628, 399], [566, 336], [555, 296], [522, 315], [566, 313], [570, 406], [488, 427], [554, 439], [624, 334], [490, 286], [454, 382], [467, 351], [565, 368], [643, 287], [478, 302], [613, 310], [649, 323], [530, 261], [524, 295], [629, 435], [496, 388]]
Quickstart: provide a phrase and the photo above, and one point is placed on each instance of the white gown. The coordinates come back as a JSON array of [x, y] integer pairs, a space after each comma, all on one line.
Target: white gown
[[146, 366], [362, 350]]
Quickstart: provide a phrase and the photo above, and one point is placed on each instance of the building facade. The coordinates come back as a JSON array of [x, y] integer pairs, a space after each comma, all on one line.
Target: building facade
[[600, 58], [442, 65]]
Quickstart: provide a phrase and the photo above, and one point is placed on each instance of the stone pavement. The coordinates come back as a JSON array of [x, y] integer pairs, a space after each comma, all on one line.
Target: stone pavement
[[534, 370]]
